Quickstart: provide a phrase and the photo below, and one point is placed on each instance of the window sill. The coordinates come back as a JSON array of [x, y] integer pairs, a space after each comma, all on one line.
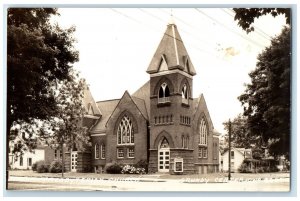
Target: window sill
[[164, 124], [189, 125], [125, 145], [185, 105], [164, 104], [202, 145]]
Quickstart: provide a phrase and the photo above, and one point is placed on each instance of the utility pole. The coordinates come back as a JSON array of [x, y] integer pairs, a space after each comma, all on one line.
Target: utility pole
[[229, 150], [63, 156]]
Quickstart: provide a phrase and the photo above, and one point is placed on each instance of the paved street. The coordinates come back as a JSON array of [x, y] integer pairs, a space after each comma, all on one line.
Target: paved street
[[144, 184]]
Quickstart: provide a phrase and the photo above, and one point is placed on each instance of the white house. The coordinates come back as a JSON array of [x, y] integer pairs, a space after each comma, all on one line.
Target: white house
[[26, 160], [237, 157]]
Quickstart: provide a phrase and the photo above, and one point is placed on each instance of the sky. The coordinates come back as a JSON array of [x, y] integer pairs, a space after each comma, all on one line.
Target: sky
[[116, 46]]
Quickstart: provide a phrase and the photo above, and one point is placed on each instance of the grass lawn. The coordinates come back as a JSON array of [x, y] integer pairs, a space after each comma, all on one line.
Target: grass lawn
[[211, 177]]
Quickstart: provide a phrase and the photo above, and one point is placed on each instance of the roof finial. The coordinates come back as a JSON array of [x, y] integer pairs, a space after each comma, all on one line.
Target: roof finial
[[171, 21]]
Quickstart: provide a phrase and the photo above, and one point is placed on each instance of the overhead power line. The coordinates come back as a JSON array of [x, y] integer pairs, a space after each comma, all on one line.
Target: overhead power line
[[229, 29], [157, 30], [182, 30], [259, 31]]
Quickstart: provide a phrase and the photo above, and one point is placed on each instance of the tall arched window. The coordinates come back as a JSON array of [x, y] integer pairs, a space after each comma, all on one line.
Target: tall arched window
[[164, 93], [203, 132], [184, 94], [125, 131]]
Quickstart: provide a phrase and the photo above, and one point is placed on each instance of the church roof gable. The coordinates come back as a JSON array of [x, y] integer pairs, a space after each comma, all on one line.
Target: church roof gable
[[89, 103], [199, 107], [107, 107], [140, 103], [127, 95], [144, 94]]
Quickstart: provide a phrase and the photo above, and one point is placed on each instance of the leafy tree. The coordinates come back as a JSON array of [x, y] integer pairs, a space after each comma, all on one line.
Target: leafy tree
[[246, 16], [67, 128], [38, 55], [266, 100], [240, 135]]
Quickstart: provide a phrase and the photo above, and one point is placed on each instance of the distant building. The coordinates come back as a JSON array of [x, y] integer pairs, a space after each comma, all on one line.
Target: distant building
[[26, 159], [238, 155]]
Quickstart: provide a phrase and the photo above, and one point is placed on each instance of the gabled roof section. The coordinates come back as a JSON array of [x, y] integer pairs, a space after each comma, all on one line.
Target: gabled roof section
[[144, 94], [171, 51], [200, 103], [106, 107], [89, 103], [140, 104]]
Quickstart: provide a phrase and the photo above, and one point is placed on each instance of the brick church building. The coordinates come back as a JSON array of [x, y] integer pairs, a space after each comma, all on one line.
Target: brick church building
[[161, 122]]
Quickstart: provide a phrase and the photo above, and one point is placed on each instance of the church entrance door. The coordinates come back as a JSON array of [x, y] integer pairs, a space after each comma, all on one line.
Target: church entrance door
[[164, 156], [74, 161]]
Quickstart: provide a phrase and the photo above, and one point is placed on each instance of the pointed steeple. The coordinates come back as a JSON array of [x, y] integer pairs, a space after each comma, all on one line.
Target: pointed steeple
[[171, 21], [89, 103], [171, 53]]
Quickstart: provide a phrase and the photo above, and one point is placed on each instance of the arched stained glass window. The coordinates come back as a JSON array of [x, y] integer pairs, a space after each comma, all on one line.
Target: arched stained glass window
[[125, 131], [203, 132]]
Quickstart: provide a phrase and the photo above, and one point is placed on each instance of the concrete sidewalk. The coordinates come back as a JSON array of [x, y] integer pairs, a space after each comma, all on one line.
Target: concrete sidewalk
[[135, 184], [208, 178]]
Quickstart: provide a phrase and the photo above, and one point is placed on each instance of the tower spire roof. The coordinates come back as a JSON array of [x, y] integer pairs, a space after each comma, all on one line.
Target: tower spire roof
[[171, 20], [171, 53]]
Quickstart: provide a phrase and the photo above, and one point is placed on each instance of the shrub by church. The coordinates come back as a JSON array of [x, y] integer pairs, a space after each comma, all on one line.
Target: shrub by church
[[160, 123]]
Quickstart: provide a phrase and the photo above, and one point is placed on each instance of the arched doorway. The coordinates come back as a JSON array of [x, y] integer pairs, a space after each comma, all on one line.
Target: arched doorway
[[164, 156]]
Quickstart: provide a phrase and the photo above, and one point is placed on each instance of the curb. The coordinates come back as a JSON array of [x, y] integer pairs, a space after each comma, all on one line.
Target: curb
[[100, 179]]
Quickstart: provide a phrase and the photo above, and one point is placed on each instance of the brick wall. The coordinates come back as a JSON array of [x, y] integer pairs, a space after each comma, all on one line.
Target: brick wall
[[188, 160], [128, 107], [153, 163], [84, 162]]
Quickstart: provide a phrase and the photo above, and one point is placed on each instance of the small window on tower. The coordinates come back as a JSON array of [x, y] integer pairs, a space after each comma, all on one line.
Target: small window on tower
[[184, 94], [164, 93]]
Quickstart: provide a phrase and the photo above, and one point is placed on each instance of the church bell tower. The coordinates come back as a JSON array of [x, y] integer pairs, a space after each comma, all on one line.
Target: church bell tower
[[171, 104]]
